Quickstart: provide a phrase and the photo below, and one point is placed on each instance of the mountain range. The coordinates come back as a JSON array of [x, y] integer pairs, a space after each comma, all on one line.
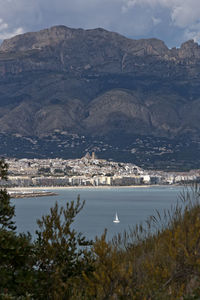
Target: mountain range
[[99, 84]]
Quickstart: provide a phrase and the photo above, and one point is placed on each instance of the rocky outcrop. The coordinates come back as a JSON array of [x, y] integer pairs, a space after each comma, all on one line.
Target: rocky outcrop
[[98, 82]]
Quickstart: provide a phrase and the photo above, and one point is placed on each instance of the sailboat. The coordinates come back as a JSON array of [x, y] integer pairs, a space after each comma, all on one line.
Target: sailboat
[[116, 220]]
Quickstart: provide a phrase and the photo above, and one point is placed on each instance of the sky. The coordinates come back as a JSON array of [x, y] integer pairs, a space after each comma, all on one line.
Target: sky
[[173, 21]]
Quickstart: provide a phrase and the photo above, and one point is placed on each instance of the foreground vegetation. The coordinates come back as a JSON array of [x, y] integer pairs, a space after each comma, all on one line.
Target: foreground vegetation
[[157, 260]]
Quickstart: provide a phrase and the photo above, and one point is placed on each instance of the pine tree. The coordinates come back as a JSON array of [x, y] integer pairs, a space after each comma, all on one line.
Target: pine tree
[[60, 254], [16, 272], [7, 211]]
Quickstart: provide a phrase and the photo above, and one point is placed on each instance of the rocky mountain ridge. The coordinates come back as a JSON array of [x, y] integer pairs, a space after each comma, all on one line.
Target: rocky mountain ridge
[[62, 35], [95, 82]]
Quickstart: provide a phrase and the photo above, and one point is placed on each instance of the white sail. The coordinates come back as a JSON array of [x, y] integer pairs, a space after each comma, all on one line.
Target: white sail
[[116, 220]]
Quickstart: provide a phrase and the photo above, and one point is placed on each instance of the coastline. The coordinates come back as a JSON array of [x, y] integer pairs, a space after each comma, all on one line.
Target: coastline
[[46, 188], [28, 192], [74, 187]]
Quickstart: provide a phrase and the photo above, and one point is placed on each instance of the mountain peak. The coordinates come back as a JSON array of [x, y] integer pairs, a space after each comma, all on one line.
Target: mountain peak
[[38, 40], [97, 82], [60, 33], [189, 50], [189, 44]]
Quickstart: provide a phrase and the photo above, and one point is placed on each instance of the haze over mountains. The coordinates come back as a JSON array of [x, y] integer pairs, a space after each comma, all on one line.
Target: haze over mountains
[[98, 83]]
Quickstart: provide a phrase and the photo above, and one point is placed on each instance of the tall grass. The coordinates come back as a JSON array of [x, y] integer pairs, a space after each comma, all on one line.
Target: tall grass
[[159, 259]]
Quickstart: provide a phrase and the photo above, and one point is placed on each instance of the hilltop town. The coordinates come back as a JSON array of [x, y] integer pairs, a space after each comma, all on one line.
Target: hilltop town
[[87, 171]]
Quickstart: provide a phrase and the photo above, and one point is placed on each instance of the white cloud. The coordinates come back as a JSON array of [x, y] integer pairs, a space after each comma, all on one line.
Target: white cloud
[[3, 25], [6, 32], [183, 14], [156, 21], [193, 32]]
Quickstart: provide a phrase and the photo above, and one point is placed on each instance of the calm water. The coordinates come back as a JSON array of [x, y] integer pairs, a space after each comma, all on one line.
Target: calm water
[[133, 205]]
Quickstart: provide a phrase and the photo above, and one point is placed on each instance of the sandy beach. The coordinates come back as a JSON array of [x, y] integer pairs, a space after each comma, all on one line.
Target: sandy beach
[[46, 188]]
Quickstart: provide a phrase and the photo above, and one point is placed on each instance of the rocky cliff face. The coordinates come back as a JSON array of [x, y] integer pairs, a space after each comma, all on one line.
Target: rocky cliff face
[[98, 82]]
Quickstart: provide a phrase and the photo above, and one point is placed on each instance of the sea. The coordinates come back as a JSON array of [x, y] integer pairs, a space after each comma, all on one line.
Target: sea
[[134, 205]]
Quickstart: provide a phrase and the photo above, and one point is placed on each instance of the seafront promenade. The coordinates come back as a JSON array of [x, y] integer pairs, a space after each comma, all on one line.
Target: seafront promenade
[[88, 172]]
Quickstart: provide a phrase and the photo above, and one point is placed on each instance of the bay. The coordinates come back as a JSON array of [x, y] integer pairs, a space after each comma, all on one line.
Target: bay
[[133, 205]]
